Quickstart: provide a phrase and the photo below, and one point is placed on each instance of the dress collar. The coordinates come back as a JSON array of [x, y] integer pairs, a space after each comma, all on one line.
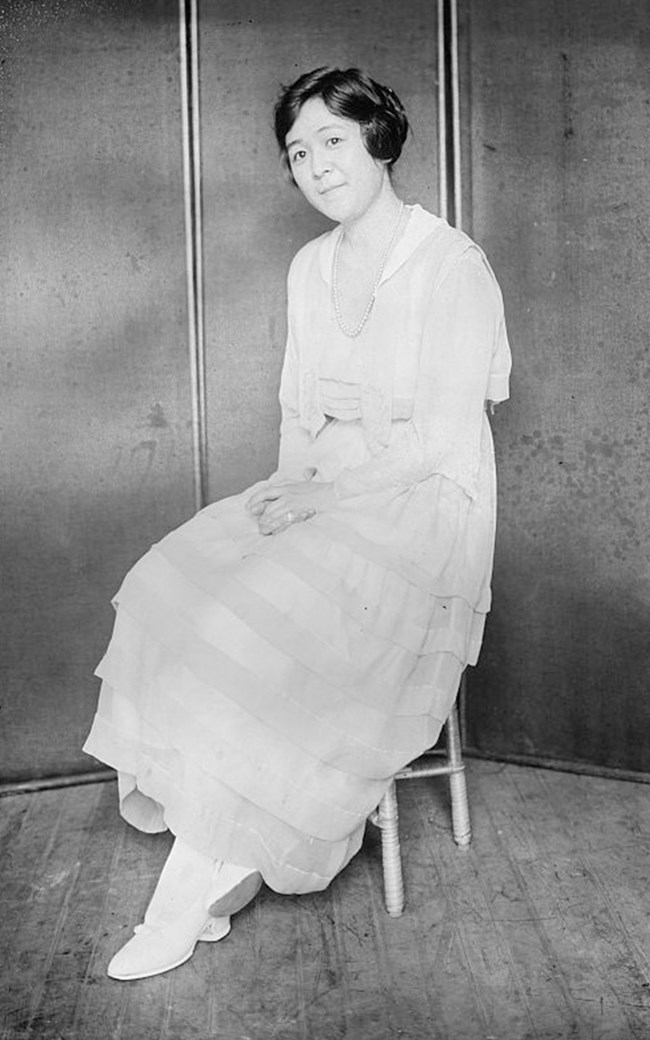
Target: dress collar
[[420, 226]]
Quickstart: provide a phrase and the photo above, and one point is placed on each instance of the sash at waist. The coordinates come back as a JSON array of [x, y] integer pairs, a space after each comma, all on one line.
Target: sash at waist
[[342, 401]]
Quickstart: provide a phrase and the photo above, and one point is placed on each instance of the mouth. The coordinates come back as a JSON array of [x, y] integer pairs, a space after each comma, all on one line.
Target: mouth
[[332, 187]]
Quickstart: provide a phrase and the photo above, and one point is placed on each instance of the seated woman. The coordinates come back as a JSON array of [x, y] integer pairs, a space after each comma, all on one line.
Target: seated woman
[[280, 656]]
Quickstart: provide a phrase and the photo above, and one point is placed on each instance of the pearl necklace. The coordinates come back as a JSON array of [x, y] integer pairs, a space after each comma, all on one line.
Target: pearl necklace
[[343, 325]]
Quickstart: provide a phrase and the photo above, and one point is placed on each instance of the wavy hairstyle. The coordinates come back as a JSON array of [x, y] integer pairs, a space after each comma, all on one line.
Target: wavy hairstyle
[[351, 94]]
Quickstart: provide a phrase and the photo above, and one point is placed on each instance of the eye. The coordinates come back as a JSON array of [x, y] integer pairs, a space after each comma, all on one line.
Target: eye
[[333, 141], [297, 156]]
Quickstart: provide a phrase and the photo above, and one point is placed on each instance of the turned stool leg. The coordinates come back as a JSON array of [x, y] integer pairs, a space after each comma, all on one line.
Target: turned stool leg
[[457, 784], [386, 815], [387, 818]]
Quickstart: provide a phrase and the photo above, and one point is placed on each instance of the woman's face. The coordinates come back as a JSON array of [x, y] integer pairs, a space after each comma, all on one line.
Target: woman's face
[[331, 165]]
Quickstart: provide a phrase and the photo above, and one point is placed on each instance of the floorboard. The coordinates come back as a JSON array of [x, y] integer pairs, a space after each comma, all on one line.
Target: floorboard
[[539, 931]]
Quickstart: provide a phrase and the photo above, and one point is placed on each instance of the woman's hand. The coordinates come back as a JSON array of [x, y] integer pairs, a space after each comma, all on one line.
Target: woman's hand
[[277, 506]]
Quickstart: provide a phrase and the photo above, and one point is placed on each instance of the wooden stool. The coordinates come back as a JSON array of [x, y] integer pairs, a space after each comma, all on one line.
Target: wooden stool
[[386, 816]]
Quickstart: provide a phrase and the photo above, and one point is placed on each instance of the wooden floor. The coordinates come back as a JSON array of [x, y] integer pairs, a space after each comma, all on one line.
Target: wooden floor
[[540, 930]]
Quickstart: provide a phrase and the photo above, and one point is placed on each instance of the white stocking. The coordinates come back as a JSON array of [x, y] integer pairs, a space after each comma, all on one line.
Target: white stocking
[[186, 876], [189, 875]]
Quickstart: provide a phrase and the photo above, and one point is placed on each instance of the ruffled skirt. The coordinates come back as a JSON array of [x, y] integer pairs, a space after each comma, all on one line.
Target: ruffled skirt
[[258, 693]]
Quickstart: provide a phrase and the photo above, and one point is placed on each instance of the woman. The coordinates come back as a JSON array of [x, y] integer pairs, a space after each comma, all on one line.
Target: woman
[[280, 656]]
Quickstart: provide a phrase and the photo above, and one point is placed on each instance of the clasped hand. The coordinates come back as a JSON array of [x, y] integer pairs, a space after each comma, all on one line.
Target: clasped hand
[[277, 506]]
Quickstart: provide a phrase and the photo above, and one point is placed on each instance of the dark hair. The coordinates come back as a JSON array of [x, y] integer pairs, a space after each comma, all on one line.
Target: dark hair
[[353, 95]]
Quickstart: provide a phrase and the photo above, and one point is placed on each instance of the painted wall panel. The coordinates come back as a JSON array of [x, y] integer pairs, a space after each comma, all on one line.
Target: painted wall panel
[[94, 397], [254, 221], [557, 152]]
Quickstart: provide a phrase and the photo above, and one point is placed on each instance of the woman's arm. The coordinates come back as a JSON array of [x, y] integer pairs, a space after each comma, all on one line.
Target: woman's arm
[[291, 495], [294, 438]]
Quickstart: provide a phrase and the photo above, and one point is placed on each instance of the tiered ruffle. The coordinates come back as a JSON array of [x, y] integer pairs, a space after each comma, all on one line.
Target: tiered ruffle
[[259, 692]]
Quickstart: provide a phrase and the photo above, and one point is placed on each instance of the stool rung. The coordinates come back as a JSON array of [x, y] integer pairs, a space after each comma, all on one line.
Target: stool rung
[[411, 772]]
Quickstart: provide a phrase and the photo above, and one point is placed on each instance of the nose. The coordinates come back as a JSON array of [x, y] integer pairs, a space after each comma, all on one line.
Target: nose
[[320, 163]]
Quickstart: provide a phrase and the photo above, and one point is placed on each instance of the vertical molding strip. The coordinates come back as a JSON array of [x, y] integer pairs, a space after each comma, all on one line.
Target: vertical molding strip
[[443, 204], [455, 114], [458, 222], [191, 147], [450, 185], [450, 188]]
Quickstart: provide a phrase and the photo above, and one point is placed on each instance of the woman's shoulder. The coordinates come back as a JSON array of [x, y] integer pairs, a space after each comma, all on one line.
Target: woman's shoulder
[[446, 249], [309, 254], [428, 246], [432, 234]]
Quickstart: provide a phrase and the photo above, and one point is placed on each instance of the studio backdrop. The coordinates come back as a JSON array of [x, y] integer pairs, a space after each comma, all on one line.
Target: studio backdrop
[[138, 149]]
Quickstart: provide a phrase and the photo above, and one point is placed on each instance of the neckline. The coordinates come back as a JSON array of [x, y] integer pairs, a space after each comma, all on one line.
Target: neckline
[[353, 331], [421, 224]]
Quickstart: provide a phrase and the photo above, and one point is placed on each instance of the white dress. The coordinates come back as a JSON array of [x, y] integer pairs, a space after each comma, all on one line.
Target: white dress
[[259, 692]]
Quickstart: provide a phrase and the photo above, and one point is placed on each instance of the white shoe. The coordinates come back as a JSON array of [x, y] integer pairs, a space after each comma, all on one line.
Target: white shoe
[[216, 928], [153, 951], [193, 901]]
